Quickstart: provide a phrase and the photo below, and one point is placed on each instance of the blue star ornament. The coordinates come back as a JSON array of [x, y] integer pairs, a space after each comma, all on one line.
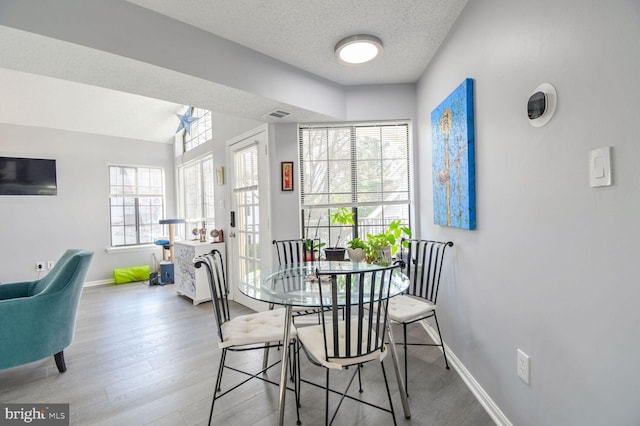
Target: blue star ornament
[[186, 120]]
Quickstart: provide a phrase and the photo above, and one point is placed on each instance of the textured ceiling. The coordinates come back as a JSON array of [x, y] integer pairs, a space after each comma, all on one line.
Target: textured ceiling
[[299, 33], [303, 33]]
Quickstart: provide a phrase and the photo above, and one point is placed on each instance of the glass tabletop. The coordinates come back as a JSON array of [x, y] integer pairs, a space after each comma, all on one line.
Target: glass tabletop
[[297, 284]]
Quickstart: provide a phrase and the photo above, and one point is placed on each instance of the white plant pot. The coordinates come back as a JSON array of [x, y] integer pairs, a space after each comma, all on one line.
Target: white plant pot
[[356, 255]]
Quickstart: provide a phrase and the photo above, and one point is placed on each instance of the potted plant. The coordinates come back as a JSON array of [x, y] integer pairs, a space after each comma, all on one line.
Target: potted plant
[[357, 250], [313, 245], [379, 249], [311, 248], [342, 216], [383, 246]]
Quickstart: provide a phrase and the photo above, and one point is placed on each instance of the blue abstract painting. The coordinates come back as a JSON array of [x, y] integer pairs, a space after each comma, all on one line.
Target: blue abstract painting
[[454, 196]]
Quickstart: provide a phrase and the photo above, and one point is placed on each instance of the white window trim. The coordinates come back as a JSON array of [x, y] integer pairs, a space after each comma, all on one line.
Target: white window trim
[[410, 153], [181, 191], [143, 246], [124, 249]]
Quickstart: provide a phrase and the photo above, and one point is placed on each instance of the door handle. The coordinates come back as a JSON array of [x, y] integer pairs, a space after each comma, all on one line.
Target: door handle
[[232, 221]]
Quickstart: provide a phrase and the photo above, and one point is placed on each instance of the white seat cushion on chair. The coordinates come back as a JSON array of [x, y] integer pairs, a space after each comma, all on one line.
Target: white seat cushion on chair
[[312, 339], [406, 308], [261, 327]]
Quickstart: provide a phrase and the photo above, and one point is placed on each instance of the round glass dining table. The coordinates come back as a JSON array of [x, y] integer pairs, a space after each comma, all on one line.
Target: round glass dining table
[[297, 285]]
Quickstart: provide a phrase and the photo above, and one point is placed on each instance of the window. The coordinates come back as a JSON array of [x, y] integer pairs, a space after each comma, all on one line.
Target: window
[[201, 131], [136, 199], [362, 166], [196, 194]]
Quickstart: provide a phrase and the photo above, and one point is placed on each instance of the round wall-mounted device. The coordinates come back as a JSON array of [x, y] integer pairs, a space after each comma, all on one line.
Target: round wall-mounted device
[[542, 105]]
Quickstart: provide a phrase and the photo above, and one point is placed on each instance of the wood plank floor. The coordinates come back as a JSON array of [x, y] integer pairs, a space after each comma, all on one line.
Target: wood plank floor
[[143, 355]]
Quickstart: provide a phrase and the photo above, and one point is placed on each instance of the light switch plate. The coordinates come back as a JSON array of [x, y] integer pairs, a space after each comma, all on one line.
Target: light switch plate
[[523, 366], [600, 167]]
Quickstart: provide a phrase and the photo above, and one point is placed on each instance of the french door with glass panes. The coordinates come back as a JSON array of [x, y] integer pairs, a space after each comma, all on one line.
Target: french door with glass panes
[[249, 239]]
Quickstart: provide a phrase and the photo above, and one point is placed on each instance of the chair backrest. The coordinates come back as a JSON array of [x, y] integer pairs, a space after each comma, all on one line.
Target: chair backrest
[[295, 251], [423, 265], [44, 282], [363, 323], [214, 268], [72, 273]]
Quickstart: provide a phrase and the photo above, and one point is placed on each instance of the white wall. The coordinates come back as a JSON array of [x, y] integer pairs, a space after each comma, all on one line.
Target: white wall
[[552, 267], [35, 228], [381, 102], [285, 205]]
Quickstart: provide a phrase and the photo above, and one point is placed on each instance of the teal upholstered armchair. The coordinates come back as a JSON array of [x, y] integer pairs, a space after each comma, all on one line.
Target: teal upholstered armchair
[[37, 318]]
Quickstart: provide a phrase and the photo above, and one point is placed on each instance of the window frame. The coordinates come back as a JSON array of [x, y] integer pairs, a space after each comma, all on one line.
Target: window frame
[[205, 206], [318, 224], [202, 129], [136, 194]]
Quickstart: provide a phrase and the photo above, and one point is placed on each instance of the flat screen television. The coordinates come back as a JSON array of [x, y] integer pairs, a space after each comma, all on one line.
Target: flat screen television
[[27, 176]]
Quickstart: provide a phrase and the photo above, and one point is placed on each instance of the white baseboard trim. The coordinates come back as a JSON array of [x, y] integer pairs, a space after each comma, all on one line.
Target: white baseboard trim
[[483, 397], [99, 282]]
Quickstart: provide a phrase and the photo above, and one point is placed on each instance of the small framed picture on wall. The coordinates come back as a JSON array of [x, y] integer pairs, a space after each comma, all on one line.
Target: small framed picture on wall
[[286, 168], [220, 176]]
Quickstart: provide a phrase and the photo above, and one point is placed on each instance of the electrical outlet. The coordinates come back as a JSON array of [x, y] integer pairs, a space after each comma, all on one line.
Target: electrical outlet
[[40, 265], [50, 264], [523, 366]]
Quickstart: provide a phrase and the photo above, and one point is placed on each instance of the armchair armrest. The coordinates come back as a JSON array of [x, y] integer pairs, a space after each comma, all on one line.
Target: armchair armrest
[[13, 290], [34, 328]]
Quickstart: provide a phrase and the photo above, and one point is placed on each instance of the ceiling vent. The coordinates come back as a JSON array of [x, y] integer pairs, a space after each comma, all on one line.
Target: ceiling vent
[[278, 114]]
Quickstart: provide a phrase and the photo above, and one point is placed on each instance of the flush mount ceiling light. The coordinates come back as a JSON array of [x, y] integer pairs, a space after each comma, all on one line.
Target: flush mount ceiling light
[[358, 49]]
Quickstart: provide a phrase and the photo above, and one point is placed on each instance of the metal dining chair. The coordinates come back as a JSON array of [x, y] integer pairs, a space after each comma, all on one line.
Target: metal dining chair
[[259, 331], [296, 251], [423, 260], [290, 252], [338, 342]]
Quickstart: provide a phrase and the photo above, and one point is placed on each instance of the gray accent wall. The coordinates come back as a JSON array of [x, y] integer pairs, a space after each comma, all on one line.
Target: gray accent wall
[[552, 268], [34, 228]]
